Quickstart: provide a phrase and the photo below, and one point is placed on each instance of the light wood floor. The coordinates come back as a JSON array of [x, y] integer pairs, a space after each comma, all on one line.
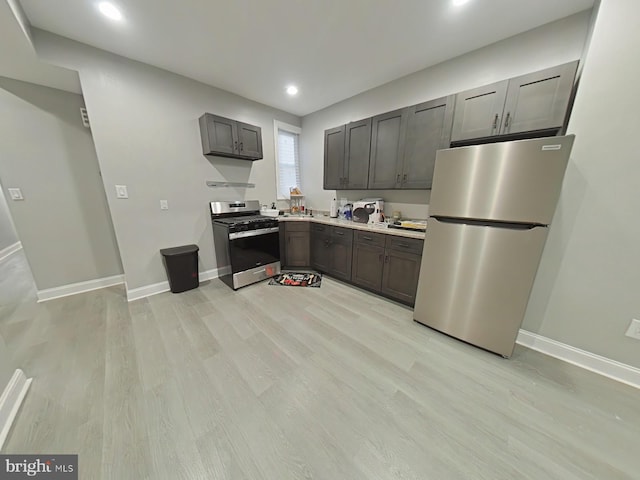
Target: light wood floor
[[276, 383]]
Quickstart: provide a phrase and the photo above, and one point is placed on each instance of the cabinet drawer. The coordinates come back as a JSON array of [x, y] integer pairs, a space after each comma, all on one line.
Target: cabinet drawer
[[367, 238], [315, 227], [402, 244], [341, 233], [297, 226]]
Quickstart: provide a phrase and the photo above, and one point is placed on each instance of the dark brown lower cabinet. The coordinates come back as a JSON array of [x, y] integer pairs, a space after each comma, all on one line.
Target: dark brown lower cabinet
[[400, 275], [331, 250], [295, 245], [382, 263], [341, 253], [387, 264], [320, 247], [368, 260]]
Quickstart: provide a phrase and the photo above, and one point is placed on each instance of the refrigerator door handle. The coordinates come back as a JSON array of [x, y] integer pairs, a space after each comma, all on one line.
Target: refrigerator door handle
[[488, 223]]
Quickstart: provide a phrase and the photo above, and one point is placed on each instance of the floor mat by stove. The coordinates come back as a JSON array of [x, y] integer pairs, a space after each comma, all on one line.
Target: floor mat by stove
[[297, 279]]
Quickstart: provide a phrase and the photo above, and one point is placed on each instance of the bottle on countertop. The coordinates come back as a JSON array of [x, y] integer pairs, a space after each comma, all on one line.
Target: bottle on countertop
[[334, 209], [348, 211]]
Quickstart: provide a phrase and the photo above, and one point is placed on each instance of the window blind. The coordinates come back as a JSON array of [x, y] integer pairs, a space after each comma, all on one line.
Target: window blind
[[288, 162]]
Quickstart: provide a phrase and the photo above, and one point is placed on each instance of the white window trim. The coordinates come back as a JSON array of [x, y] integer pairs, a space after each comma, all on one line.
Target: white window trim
[[278, 125]]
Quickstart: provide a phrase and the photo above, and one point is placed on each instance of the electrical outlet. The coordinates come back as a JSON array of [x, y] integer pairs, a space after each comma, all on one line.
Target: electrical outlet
[[634, 329], [121, 191], [164, 205], [15, 194]]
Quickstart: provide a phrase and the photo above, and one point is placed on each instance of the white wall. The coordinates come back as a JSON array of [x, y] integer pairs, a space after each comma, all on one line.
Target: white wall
[[559, 42], [588, 284], [63, 222], [145, 126], [6, 367], [8, 234]]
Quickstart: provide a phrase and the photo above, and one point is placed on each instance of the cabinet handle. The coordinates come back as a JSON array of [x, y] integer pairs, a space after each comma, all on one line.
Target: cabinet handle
[[339, 233], [398, 179], [404, 178], [241, 147], [380, 257], [495, 123], [386, 259], [506, 122], [403, 245], [367, 238], [235, 145]]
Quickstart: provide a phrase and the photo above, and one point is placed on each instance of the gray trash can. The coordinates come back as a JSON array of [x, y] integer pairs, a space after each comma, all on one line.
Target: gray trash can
[[181, 264]]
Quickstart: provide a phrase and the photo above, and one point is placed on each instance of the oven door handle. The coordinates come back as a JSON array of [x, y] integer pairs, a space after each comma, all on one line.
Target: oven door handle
[[253, 233]]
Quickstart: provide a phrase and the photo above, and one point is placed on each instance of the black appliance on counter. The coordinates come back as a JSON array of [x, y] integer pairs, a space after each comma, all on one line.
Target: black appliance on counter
[[246, 241]]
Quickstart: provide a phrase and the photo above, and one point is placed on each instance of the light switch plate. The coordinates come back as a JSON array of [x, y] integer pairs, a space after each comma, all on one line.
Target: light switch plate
[[15, 194], [164, 205], [121, 191]]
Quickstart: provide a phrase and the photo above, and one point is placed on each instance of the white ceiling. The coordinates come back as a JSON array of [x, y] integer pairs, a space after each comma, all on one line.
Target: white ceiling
[[331, 49], [18, 59]]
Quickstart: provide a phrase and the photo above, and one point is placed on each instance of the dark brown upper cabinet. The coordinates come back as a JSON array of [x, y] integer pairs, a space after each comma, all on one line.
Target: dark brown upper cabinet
[[249, 141], [357, 144], [428, 130], [478, 112], [387, 149], [334, 158], [404, 144], [346, 156], [534, 102], [225, 137], [539, 100]]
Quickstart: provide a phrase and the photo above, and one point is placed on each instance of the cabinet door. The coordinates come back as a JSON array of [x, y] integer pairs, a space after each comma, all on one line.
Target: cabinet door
[[356, 154], [221, 135], [478, 112], [334, 173], [428, 130], [341, 253], [297, 249], [367, 264], [249, 141], [387, 148], [400, 275], [320, 247], [539, 100]]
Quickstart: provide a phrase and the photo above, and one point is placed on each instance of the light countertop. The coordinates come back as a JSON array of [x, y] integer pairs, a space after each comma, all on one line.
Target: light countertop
[[349, 224]]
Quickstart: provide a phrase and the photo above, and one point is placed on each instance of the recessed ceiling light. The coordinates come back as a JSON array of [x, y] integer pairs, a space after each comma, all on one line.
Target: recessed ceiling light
[[109, 10], [292, 90], [457, 3]]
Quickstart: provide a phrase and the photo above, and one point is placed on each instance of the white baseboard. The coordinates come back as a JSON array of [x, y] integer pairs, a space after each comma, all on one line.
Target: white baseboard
[[155, 288], [587, 360], [11, 249], [10, 402], [80, 287]]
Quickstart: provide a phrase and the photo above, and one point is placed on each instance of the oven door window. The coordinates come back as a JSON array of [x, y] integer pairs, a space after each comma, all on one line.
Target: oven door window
[[251, 252]]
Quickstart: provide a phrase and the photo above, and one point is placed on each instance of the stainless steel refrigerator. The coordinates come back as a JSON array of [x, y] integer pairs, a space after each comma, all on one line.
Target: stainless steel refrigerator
[[491, 206]]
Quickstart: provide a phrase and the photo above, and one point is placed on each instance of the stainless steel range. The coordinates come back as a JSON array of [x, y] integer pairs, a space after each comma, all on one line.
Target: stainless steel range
[[245, 240]]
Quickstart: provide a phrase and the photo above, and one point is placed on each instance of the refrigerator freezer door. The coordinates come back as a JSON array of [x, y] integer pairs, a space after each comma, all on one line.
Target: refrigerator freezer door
[[512, 181], [475, 281]]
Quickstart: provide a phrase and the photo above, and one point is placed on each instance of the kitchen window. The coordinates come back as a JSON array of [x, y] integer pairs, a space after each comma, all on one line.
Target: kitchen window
[[287, 158]]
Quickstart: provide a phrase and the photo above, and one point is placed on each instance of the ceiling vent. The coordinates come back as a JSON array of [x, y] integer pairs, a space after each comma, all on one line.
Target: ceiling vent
[[85, 117]]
